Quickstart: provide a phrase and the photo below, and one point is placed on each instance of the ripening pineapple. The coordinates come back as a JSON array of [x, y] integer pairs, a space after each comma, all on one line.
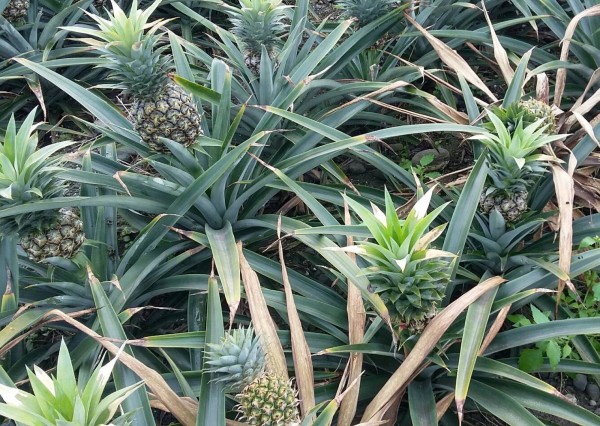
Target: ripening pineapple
[[28, 174], [410, 276], [513, 164], [16, 10], [264, 398], [258, 24], [160, 108]]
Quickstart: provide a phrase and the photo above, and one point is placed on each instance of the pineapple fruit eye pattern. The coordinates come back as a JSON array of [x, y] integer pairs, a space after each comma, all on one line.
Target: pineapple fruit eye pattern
[[263, 397]]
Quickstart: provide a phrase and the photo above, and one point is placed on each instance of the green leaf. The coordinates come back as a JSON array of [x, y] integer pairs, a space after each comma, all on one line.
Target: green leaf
[[224, 250], [211, 404], [538, 316], [531, 359], [553, 352], [421, 403]]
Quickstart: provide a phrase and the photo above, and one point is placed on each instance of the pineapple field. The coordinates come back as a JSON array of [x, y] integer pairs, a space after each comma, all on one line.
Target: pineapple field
[[312, 212]]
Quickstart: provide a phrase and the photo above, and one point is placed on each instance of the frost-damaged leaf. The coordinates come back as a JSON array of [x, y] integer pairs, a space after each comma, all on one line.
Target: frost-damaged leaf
[[356, 332], [427, 341], [565, 193], [303, 365], [561, 75], [264, 326], [453, 59]]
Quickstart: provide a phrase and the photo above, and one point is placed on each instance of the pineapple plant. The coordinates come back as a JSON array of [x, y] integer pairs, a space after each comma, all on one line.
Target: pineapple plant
[[160, 107], [513, 164], [60, 400], [28, 174], [410, 276], [258, 24], [365, 11], [264, 399], [16, 10]]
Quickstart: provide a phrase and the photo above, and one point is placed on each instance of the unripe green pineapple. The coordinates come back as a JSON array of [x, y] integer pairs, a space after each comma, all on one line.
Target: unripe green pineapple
[[258, 24], [264, 399], [28, 174], [63, 237], [160, 108], [410, 276], [513, 163], [536, 110], [268, 400], [16, 10]]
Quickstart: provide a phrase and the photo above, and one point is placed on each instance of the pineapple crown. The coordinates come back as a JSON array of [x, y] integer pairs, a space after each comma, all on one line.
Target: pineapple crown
[[258, 23], [400, 244], [27, 174], [365, 11], [238, 359], [511, 155], [60, 400], [128, 43], [410, 276]]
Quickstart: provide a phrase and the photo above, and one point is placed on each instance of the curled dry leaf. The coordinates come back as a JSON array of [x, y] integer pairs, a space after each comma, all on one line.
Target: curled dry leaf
[[561, 76]]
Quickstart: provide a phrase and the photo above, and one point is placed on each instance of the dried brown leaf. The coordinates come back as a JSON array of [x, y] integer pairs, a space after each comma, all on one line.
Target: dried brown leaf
[[452, 59], [561, 75], [565, 194], [261, 318], [499, 52], [303, 365], [356, 331]]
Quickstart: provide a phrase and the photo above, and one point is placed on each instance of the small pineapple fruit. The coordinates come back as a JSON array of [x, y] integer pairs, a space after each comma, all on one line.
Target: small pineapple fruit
[[160, 108], [258, 24], [16, 10], [365, 11], [536, 110], [513, 164], [527, 112], [410, 276], [28, 174], [264, 398]]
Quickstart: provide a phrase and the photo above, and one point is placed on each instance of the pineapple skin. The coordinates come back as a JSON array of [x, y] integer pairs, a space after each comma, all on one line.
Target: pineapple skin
[[540, 110], [510, 204], [171, 113], [268, 401], [62, 237], [413, 297], [16, 10]]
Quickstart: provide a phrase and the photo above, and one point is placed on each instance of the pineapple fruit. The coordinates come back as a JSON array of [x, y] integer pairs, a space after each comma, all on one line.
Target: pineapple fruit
[[16, 10], [528, 111], [264, 399], [28, 174], [160, 107], [513, 164], [258, 24], [410, 276]]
